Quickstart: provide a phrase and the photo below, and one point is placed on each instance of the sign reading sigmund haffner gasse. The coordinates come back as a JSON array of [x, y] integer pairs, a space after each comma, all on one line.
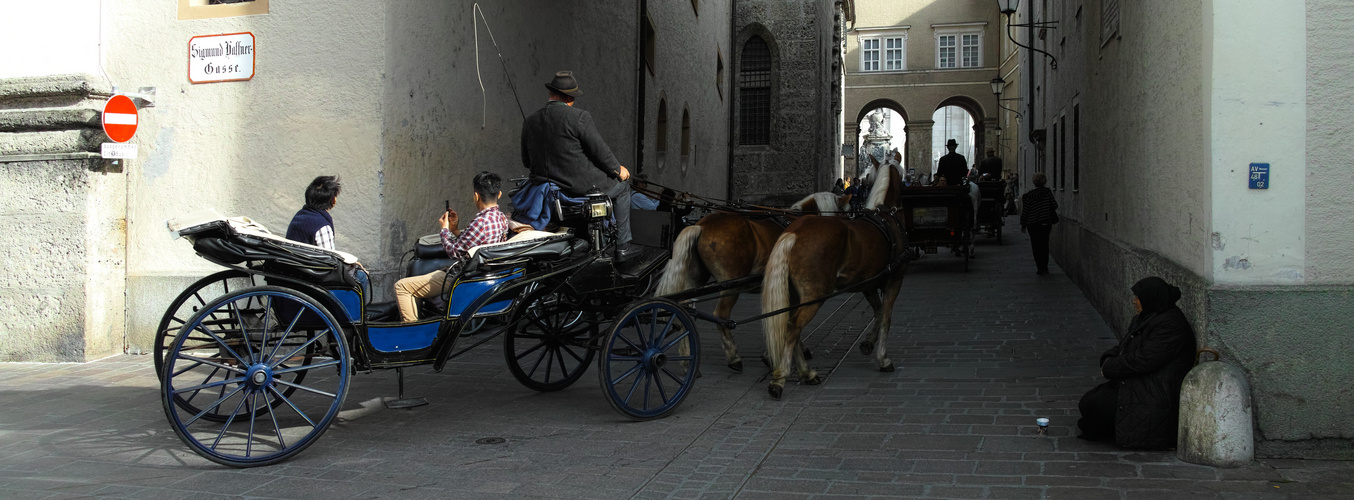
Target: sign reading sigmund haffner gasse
[[221, 58]]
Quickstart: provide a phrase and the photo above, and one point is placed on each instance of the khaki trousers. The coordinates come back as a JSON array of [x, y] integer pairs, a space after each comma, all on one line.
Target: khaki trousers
[[409, 290]]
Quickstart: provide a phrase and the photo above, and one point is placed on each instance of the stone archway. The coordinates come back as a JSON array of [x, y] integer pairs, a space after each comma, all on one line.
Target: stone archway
[[983, 126], [857, 129]]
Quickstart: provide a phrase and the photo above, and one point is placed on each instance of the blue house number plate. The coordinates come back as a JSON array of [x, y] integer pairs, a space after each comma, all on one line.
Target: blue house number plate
[[1259, 176]]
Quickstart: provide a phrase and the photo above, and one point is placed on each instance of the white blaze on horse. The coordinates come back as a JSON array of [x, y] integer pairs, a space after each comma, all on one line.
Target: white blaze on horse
[[816, 256], [729, 246]]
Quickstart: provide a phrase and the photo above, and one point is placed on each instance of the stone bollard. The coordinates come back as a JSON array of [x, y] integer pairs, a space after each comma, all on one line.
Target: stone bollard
[[1215, 415]]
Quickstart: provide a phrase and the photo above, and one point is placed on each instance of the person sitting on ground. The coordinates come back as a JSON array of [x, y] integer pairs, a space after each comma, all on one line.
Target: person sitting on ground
[[489, 226], [312, 224], [1139, 407]]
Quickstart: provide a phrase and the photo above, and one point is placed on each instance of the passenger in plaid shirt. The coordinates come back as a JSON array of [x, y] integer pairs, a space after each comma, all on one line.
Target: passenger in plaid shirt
[[488, 226]]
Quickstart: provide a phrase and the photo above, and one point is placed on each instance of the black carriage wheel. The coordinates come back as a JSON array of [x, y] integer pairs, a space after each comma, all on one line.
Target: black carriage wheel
[[247, 367], [549, 347], [649, 359], [192, 300]]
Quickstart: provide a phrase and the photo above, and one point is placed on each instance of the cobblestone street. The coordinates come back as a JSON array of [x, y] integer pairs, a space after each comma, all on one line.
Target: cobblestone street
[[979, 356]]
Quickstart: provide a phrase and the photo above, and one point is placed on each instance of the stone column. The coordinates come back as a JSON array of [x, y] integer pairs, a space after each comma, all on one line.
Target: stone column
[[918, 146], [62, 295]]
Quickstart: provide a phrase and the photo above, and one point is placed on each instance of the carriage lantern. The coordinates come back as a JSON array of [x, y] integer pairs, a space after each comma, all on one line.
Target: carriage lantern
[[599, 206]]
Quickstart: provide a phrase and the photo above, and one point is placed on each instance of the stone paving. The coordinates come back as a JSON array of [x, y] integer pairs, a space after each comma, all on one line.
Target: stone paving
[[980, 355]]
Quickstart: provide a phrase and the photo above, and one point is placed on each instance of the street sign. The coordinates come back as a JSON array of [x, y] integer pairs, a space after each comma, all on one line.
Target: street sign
[[1259, 177], [119, 118], [221, 58], [118, 151]]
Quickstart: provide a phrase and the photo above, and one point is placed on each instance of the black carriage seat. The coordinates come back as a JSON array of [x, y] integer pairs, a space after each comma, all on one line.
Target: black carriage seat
[[527, 246], [238, 240]]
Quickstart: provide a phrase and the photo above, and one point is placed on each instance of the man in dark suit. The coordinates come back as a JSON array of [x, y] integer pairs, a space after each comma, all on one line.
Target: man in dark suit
[[560, 144], [990, 167], [953, 167]]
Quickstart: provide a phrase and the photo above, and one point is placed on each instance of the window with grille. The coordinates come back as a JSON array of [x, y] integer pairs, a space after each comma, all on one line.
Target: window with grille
[[893, 54], [945, 51], [869, 54], [754, 89]]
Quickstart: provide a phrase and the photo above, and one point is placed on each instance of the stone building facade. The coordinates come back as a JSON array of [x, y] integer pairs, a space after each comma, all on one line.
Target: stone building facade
[[385, 94], [787, 129], [909, 57], [1152, 124]]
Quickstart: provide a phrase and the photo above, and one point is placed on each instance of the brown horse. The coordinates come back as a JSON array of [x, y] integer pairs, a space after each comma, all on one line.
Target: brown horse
[[816, 256], [730, 246]]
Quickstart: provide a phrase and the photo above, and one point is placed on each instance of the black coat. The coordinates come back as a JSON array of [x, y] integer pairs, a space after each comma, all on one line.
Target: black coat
[[561, 144], [1150, 364], [953, 167]]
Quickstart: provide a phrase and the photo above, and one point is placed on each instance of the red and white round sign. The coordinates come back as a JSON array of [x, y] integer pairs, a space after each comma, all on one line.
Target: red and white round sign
[[119, 118]]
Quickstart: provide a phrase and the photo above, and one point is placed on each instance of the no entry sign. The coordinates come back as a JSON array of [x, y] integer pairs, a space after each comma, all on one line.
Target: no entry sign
[[119, 118]]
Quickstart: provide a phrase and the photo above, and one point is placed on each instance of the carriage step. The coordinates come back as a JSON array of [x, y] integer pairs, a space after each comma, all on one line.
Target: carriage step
[[402, 402]]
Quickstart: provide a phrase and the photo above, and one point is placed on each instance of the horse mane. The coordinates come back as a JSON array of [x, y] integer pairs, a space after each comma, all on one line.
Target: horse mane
[[881, 186], [825, 201]]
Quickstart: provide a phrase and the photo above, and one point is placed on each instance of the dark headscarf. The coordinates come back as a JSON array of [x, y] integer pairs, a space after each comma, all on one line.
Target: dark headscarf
[[1155, 294]]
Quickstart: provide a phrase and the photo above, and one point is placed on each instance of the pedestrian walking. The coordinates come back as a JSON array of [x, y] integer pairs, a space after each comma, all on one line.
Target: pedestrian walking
[[1139, 404], [1038, 214]]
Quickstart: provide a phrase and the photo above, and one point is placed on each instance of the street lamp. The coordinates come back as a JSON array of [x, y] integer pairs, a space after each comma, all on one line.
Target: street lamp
[[998, 85], [1008, 8]]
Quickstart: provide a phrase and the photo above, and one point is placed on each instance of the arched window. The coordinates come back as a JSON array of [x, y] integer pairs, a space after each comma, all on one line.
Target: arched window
[[661, 141], [754, 87], [686, 139]]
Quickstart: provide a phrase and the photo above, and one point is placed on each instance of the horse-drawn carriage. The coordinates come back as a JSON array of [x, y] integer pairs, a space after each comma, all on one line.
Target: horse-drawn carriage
[[992, 208], [257, 374], [939, 217]]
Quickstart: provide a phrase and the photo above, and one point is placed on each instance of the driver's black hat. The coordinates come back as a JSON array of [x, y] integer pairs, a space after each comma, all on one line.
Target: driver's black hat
[[565, 83]]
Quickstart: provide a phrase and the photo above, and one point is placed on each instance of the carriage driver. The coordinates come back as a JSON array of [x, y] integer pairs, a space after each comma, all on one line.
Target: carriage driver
[[560, 144], [489, 226]]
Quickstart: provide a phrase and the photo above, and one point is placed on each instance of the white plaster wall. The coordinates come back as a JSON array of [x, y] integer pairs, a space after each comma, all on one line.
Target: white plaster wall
[[1145, 172], [1258, 113], [246, 148], [1330, 154], [68, 31]]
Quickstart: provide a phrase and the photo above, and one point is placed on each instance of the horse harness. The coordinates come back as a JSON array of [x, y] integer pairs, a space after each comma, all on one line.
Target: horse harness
[[884, 220]]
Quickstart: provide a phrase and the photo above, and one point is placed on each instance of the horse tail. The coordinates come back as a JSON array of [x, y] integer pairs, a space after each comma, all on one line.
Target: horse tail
[[685, 269], [776, 296]]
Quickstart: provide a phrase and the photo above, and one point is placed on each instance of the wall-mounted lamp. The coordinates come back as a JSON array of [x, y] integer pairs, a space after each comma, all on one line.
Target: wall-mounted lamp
[[1008, 8], [997, 86]]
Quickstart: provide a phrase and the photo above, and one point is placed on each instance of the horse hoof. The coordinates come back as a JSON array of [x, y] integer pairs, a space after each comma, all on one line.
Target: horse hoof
[[775, 392], [815, 380], [866, 347], [887, 368], [808, 355], [736, 366], [766, 361]]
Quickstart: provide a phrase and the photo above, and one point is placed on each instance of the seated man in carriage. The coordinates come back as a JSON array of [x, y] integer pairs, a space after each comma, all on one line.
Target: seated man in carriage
[[561, 145], [489, 226]]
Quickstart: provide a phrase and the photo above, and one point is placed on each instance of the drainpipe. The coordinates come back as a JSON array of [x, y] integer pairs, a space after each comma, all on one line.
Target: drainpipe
[[733, 76], [1029, 58], [639, 86]]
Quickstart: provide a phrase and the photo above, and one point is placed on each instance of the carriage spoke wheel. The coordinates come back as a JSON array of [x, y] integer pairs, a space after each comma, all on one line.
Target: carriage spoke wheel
[[294, 361], [252, 312], [649, 359], [192, 300], [548, 349]]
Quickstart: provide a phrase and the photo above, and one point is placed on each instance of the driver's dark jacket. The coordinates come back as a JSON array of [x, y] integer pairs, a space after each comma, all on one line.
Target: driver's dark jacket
[[561, 144]]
